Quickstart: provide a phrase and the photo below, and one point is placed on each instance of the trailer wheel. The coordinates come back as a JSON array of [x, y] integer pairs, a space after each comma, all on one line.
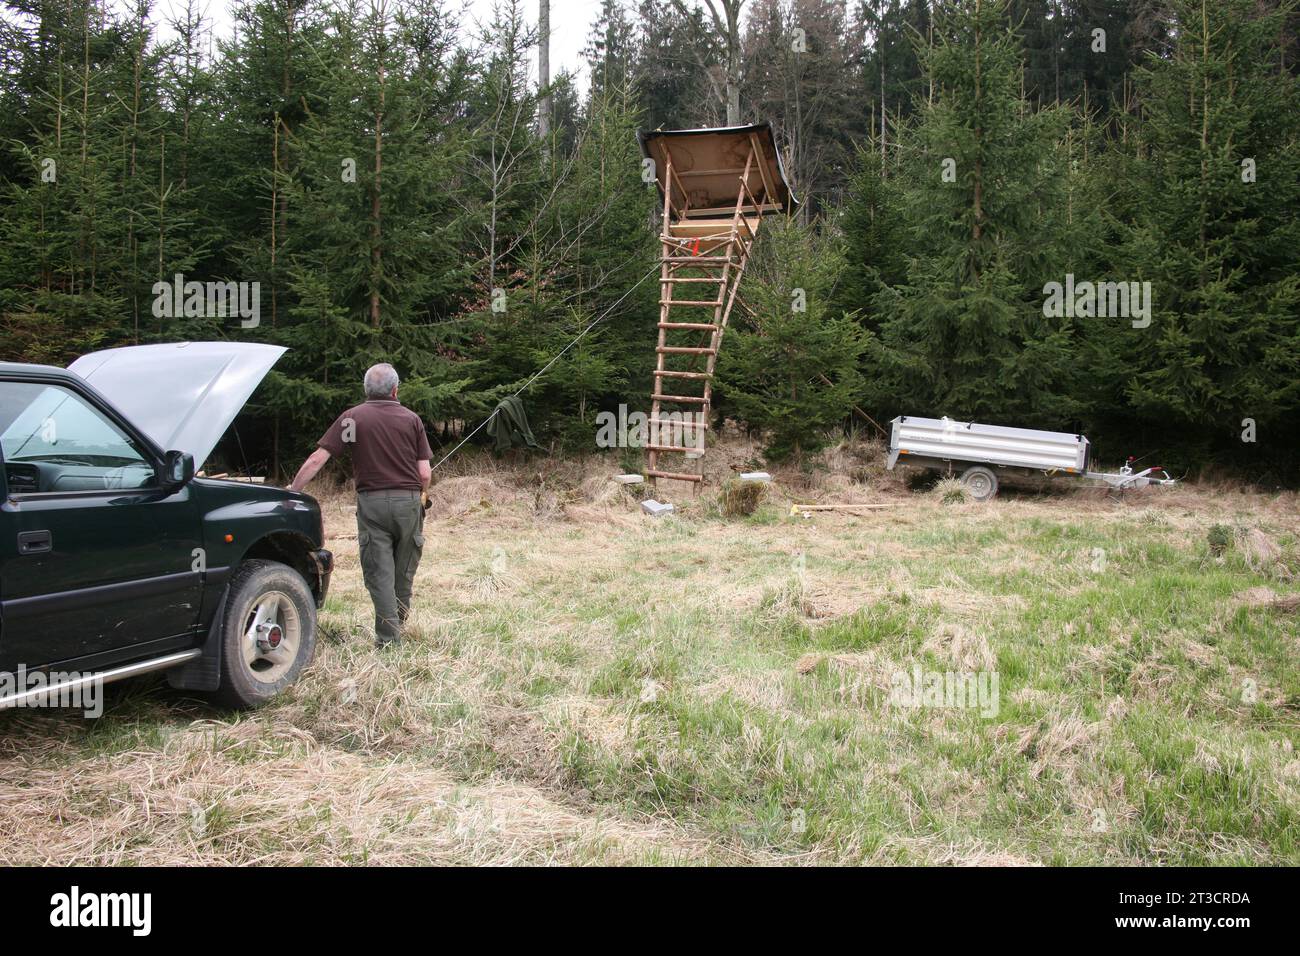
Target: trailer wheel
[[980, 482]]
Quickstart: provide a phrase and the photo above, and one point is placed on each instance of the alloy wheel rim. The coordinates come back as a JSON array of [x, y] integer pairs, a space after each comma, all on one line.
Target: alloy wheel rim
[[272, 637]]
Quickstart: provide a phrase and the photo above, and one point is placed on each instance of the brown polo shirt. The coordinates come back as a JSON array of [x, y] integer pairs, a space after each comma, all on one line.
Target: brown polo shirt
[[386, 440]]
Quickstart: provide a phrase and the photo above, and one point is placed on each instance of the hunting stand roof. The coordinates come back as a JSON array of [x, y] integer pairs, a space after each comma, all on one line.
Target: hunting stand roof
[[707, 162]]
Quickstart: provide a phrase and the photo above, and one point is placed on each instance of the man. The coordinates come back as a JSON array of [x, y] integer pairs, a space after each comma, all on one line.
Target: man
[[390, 462]]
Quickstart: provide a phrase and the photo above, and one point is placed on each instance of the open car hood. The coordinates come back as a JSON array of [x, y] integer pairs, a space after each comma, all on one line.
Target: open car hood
[[183, 395]]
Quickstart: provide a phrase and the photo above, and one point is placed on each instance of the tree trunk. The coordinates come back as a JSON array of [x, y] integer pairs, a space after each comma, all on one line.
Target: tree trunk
[[733, 62], [884, 110], [376, 233], [733, 83], [977, 218], [544, 67]]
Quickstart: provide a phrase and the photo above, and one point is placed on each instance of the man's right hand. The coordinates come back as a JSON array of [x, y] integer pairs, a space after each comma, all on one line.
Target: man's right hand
[[315, 461]]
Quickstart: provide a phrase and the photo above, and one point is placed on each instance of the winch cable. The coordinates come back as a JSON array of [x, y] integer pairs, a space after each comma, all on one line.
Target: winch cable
[[545, 368]]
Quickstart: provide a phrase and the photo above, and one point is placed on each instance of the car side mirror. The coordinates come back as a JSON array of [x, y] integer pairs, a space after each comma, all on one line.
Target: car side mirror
[[178, 469]]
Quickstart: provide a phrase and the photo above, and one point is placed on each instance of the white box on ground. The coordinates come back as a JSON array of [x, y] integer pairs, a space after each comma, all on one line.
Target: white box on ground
[[755, 476], [629, 479], [656, 508]]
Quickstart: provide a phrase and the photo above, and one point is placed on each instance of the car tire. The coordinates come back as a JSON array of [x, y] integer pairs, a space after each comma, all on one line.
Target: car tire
[[268, 633], [981, 483]]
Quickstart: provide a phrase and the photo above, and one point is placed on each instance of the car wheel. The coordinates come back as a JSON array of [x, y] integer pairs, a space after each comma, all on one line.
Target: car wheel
[[268, 633], [980, 482]]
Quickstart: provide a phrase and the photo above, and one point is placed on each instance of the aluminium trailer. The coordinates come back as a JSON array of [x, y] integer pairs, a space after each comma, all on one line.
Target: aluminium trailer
[[979, 452]]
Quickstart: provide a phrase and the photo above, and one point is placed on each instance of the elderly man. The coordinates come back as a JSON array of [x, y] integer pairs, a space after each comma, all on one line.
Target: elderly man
[[390, 462]]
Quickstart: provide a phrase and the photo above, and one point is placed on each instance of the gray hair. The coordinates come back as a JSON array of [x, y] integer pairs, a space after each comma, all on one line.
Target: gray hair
[[380, 381]]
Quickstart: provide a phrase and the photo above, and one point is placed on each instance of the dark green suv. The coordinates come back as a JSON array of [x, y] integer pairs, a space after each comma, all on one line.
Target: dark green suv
[[116, 560]]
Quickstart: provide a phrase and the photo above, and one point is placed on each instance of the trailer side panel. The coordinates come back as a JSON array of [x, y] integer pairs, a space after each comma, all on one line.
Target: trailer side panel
[[947, 440]]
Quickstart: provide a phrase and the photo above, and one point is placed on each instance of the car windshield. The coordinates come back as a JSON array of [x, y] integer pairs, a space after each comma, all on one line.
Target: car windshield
[[49, 423]]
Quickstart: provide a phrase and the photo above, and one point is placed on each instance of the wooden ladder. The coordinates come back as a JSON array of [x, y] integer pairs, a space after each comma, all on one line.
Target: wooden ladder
[[702, 261]]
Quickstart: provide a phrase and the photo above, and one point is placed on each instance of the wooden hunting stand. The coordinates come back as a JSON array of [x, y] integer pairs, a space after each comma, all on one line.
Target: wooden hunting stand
[[717, 185]]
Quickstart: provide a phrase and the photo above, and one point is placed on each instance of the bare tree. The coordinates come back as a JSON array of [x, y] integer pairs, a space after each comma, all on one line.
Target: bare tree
[[727, 23], [504, 163], [798, 75]]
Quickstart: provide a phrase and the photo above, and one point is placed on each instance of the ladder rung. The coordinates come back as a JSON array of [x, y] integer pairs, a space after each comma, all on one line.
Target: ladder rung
[[712, 279], [675, 423], [684, 350], [711, 304], [699, 326], [676, 268], [686, 449], [697, 259], [681, 399], [664, 373], [677, 475]]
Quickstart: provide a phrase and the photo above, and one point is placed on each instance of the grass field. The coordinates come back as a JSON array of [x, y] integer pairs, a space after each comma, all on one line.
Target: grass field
[[585, 684]]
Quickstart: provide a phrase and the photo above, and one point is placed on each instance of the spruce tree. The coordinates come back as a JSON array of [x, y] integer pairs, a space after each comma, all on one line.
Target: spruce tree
[[1213, 185], [589, 243], [65, 228], [983, 185], [791, 369], [875, 242], [372, 261]]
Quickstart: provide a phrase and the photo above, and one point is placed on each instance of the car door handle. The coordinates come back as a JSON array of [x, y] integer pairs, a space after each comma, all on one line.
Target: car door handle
[[34, 542]]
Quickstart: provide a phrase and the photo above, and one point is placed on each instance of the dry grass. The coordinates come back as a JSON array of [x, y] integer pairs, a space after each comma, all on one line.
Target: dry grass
[[582, 684], [232, 793], [740, 499], [950, 491]]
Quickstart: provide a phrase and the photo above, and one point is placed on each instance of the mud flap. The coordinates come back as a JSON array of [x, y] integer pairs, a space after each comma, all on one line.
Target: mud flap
[[204, 672]]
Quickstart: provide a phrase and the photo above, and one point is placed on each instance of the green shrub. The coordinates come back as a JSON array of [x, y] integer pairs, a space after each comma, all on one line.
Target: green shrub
[[1219, 539]]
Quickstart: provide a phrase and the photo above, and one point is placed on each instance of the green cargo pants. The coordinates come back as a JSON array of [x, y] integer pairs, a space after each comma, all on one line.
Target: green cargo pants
[[390, 534]]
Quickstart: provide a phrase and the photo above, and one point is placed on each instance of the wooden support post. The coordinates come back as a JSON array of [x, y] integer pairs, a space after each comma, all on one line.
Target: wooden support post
[[665, 295]]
